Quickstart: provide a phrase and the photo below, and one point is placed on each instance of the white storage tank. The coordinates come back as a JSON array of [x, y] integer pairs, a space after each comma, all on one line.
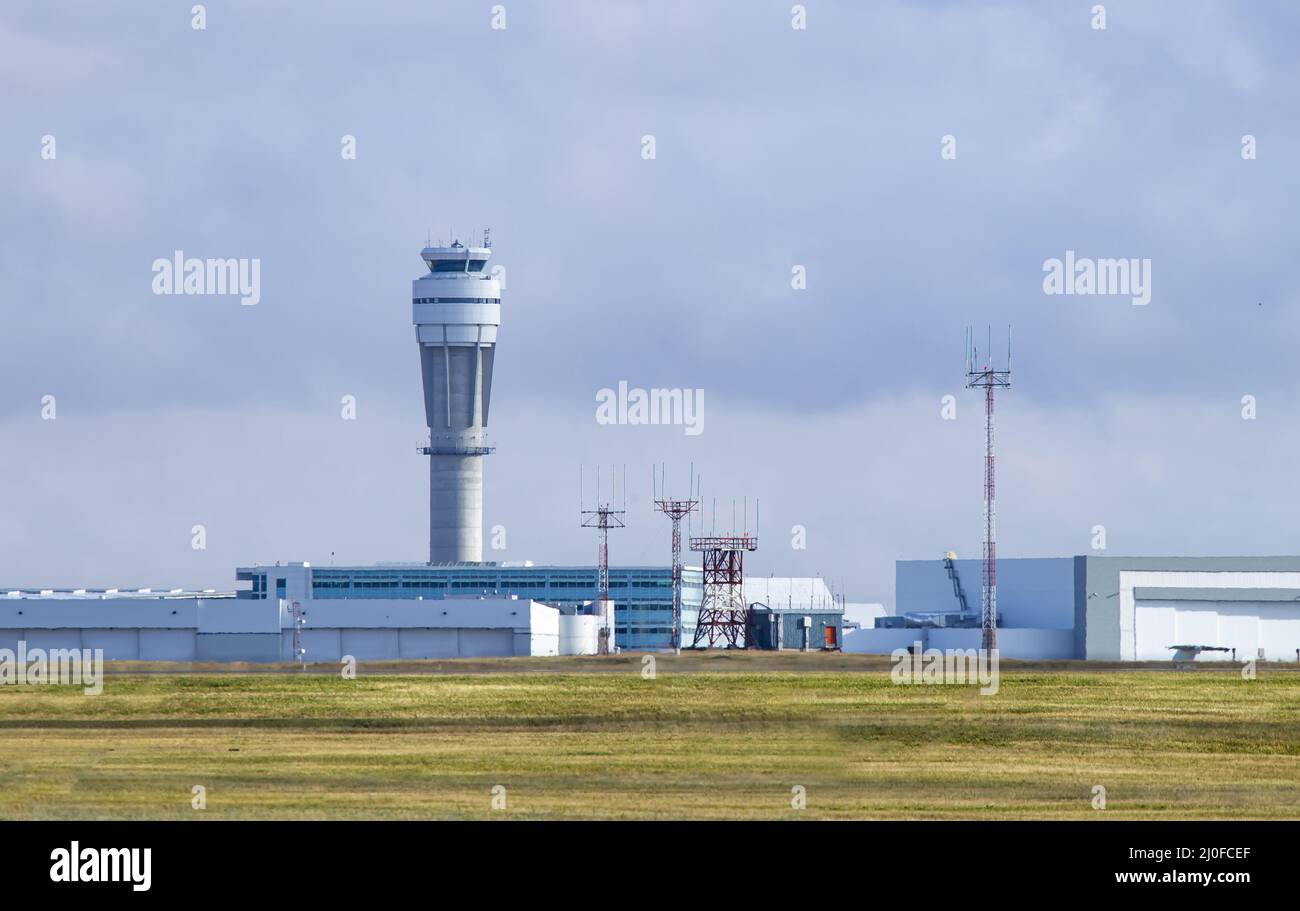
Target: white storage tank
[[579, 634]]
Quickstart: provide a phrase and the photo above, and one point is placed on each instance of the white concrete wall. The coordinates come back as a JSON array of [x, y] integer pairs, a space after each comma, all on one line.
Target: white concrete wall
[[544, 631], [1018, 643], [1013, 642], [881, 641]]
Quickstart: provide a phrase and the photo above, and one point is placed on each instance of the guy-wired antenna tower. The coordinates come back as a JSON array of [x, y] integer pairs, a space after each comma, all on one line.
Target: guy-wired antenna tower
[[603, 518], [724, 615], [984, 376], [676, 510]]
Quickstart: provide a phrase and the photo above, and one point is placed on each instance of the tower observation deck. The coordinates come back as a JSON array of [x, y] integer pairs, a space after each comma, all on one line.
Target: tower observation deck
[[456, 309]]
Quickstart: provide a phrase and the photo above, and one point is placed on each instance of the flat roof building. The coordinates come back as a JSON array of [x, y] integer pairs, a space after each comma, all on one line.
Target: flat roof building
[[1102, 608], [642, 595]]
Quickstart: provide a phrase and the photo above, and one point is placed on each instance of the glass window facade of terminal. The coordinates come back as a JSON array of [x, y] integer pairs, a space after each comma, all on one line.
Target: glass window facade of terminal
[[643, 596]]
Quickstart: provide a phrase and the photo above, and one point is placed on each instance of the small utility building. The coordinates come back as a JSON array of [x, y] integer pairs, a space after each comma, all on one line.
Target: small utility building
[[795, 628], [788, 612]]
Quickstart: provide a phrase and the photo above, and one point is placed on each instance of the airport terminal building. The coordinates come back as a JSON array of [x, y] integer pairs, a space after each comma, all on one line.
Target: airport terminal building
[[642, 595], [373, 613]]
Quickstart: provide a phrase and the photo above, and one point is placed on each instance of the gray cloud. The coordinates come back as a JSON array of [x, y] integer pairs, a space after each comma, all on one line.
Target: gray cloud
[[774, 148]]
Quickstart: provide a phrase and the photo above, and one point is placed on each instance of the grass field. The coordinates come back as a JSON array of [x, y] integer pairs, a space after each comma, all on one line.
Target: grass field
[[711, 736]]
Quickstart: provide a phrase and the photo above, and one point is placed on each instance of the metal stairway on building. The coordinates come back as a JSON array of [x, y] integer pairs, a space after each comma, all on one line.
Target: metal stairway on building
[[950, 564]]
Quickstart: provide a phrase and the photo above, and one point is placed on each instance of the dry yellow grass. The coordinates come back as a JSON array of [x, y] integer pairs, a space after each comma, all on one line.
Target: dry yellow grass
[[711, 736]]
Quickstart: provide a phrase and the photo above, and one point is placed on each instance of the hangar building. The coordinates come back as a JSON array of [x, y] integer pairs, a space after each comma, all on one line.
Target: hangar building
[[204, 626], [1101, 608]]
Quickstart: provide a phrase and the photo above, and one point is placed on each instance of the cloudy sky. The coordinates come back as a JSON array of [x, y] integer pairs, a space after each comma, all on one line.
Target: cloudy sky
[[774, 147]]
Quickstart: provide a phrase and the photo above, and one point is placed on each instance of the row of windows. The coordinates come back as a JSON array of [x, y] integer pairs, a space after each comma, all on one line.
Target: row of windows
[[457, 265], [494, 574], [456, 300], [507, 584]]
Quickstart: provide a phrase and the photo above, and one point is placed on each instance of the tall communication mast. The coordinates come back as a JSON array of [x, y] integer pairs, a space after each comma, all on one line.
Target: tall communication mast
[[676, 510], [603, 518], [982, 375]]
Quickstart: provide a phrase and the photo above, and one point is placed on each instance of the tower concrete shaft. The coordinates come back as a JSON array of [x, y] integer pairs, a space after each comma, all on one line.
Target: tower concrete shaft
[[456, 310]]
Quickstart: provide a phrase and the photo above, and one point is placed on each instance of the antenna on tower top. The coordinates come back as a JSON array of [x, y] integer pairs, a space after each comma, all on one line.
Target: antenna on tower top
[[487, 238]]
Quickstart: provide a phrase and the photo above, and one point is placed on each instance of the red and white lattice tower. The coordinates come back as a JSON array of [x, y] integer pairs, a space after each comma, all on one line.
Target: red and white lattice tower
[[984, 376], [724, 615]]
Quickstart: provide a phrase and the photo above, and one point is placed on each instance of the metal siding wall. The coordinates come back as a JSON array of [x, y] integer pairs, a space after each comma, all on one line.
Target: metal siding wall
[[792, 632], [168, 645], [321, 644], [1033, 592], [253, 647], [486, 643], [53, 638], [428, 643], [370, 644], [118, 644], [1080, 607]]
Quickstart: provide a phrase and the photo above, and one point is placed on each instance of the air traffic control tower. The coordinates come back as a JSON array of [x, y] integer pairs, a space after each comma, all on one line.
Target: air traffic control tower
[[456, 309]]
